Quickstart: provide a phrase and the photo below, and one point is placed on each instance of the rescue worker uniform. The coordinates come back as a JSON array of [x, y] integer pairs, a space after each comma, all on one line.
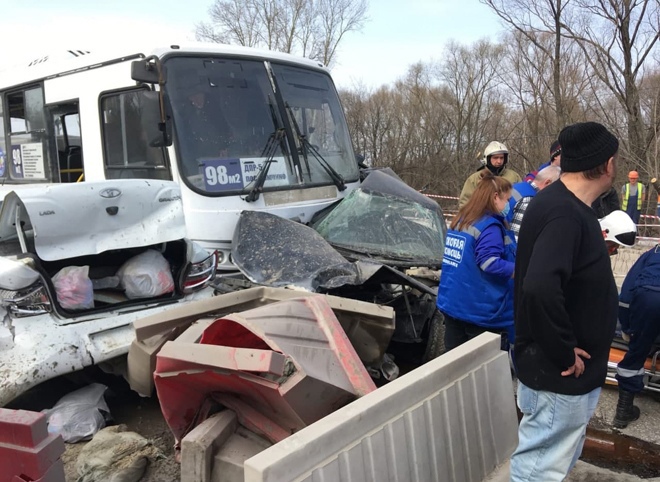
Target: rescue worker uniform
[[492, 149], [639, 315], [476, 284]]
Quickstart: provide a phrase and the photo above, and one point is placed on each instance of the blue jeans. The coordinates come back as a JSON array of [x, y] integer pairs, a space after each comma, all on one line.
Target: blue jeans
[[551, 433]]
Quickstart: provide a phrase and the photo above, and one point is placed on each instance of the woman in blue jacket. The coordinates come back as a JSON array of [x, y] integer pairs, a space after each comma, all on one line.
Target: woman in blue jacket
[[476, 282]]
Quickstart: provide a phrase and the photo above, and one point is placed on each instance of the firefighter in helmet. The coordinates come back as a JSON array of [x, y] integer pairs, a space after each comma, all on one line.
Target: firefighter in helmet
[[495, 159]]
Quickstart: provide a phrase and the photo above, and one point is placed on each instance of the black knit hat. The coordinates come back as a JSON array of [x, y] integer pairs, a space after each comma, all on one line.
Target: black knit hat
[[586, 145]]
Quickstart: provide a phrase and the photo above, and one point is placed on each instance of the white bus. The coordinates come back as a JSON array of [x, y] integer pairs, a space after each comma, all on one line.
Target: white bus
[[237, 128]]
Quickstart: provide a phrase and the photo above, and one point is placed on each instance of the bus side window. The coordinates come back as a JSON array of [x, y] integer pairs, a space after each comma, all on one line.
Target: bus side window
[[3, 144], [66, 123], [127, 154], [28, 156]]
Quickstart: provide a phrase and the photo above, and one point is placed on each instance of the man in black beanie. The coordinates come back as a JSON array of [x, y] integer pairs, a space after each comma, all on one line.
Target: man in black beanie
[[565, 307]]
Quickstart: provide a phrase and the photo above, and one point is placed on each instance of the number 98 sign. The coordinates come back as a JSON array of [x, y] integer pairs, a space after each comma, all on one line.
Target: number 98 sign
[[222, 174]]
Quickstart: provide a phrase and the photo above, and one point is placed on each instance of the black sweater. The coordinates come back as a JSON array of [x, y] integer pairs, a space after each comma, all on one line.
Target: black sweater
[[565, 295]]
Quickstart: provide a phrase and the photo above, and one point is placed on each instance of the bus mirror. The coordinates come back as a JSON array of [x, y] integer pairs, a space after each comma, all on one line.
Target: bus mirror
[[146, 71], [158, 132]]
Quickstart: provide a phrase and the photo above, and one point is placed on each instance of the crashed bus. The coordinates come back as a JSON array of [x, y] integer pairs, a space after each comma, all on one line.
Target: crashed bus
[[237, 128]]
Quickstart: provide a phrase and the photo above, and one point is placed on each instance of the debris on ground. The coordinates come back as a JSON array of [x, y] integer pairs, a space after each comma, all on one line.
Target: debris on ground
[[116, 455]]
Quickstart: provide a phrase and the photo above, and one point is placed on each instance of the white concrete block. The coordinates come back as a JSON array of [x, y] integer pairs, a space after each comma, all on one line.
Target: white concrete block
[[198, 446]]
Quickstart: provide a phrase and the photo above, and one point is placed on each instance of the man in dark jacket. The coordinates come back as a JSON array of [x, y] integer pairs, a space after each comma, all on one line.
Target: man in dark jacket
[[606, 203], [639, 314], [565, 303]]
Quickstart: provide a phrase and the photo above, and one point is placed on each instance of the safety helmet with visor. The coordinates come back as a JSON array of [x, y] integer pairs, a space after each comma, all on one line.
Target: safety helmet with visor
[[492, 149], [618, 230]]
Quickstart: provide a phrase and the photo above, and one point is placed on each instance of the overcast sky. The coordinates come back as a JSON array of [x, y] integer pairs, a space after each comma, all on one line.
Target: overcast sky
[[398, 34]]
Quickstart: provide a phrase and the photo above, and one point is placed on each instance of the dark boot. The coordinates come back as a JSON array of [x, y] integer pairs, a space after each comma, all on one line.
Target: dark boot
[[626, 412]]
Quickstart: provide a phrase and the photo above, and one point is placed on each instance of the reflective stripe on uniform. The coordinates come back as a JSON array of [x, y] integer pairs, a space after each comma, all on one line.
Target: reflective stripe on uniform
[[626, 373], [472, 231], [488, 262], [626, 195]]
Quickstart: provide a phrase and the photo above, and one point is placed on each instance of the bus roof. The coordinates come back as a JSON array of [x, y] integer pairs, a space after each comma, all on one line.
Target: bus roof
[[71, 61]]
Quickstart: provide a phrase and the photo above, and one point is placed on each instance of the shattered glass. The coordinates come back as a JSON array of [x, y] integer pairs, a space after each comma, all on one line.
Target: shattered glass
[[387, 221]]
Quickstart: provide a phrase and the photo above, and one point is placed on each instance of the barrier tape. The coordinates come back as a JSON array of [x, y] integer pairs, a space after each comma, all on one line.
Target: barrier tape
[[451, 214], [441, 197]]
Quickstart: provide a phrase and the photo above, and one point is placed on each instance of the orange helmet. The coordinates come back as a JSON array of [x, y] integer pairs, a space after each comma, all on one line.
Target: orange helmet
[[633, 175]]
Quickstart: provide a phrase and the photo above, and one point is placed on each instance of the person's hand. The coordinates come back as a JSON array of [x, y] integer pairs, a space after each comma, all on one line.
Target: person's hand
[[626, 337], [578, 367]]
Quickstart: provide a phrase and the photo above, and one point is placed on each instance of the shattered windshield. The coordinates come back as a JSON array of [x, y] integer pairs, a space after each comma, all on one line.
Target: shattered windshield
[[228, 125], [378, 224]]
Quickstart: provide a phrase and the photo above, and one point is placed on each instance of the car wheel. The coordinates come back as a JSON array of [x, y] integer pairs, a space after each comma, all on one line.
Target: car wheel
[[435, 341]]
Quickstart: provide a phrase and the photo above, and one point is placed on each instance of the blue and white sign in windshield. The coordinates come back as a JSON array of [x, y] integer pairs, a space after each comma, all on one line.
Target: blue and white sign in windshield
[[234, 174]]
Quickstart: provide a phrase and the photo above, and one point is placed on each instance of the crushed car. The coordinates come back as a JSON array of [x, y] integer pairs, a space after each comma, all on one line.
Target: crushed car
[[79, 263], [371, 246]]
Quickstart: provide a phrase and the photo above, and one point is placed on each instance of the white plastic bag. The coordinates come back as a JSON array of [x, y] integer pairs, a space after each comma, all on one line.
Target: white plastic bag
[[73, 288], [146, 275], [80, 414]]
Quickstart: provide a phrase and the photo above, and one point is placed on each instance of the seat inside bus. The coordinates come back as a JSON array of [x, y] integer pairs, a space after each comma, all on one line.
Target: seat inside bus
[[71, 164]]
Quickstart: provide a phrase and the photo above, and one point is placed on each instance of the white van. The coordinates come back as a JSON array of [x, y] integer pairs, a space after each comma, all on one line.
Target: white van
[[237, 128]]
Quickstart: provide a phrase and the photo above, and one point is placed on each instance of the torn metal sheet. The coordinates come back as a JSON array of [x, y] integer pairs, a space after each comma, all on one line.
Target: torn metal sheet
[[86, 218], [276, 252]]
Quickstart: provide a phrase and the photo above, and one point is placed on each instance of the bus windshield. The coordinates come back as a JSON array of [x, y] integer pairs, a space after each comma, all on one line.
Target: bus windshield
[[230, 131]]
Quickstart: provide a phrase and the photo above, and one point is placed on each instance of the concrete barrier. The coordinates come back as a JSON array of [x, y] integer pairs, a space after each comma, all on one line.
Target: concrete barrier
[[27, 450], [452, 419]]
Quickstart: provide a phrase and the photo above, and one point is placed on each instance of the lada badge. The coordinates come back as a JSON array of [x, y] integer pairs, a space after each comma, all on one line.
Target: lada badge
[[110, 193]]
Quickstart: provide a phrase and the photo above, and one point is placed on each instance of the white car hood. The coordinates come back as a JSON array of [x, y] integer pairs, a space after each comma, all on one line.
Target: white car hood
[[70, 220]]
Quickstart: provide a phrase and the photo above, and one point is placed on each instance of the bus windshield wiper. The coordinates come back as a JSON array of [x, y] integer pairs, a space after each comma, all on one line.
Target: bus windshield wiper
[[269, 152], [306, 146], [277, 137]]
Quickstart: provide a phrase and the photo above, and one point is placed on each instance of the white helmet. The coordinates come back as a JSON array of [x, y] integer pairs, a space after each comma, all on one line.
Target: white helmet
[[495, 148], [619, 228]]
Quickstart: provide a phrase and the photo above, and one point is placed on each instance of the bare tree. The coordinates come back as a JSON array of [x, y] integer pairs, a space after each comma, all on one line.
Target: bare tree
[[527, 72], [617, 37], [535, 19], [470, 80], [650, 104], [312, 28]]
